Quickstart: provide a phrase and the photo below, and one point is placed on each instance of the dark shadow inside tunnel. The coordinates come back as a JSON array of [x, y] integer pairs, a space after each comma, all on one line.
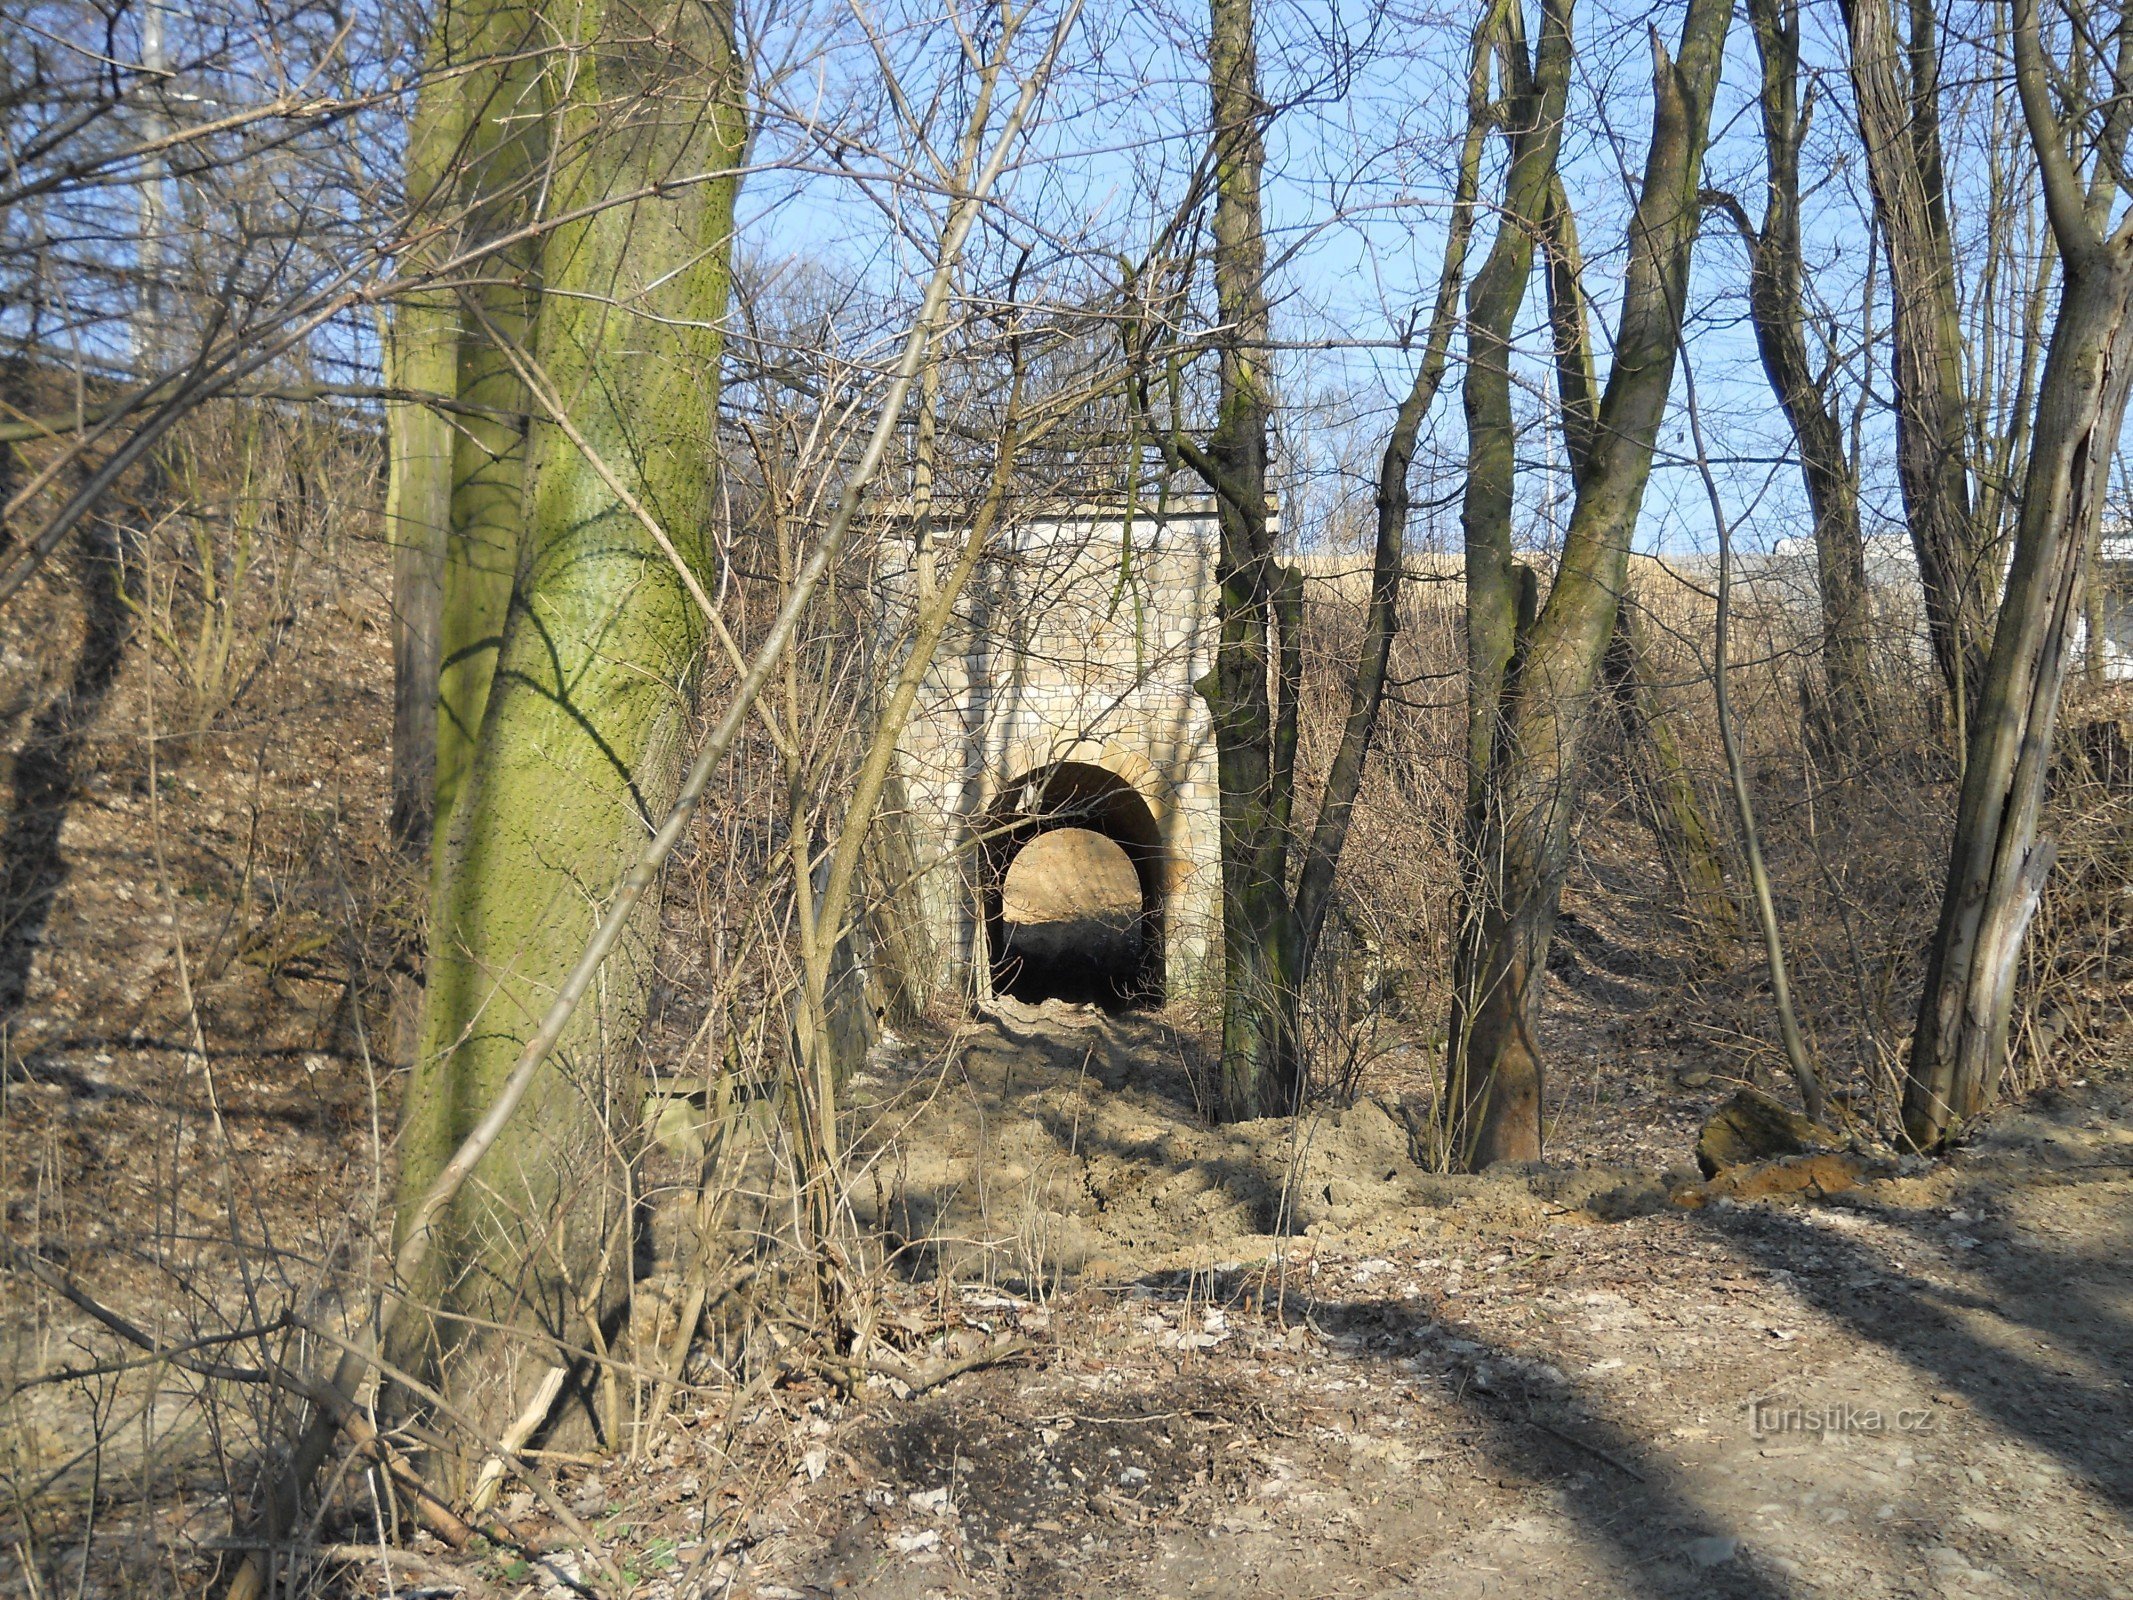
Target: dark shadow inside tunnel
[[1072, 889]]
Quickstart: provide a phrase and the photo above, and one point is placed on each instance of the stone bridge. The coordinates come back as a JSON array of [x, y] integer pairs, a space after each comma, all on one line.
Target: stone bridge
[[1059, 769]]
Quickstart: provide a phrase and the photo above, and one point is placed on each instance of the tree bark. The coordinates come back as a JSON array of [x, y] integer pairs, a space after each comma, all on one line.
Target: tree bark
[[1896, 88], [1775, 303], [418, 498], [1997, 867], [1527, 803], [1535, 97], [1262, 1071], [1536, 93], [2095, 653], [506, 148], [421, 354], [576, 757], [906, 963], [1254, 689]]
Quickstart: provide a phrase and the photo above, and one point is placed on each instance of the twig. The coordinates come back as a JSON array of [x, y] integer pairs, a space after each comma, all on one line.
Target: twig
[[1588, 1447], [430, 1508], [931, 1376], [1796, 1052]]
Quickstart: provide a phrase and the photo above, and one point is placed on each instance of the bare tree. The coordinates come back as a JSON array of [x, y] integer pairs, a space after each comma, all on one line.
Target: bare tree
[[1521, 849], [1803, 389], [2078, 115], [1536, 92], [1278, 879], [1896, 89]]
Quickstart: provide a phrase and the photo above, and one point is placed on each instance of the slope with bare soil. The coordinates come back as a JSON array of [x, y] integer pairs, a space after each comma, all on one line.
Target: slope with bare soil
[[1919, 1388]]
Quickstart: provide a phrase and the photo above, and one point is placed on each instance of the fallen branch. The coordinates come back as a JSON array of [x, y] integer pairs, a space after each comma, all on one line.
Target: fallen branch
[[929, 1375], [514, 1440]]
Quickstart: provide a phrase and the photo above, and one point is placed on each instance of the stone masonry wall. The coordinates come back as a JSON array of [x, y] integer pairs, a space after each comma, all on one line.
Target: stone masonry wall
[[1078, 642]]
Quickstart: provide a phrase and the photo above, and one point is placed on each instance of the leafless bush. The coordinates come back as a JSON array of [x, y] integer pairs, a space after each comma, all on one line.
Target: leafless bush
[[1374, 1008], [239, 503]]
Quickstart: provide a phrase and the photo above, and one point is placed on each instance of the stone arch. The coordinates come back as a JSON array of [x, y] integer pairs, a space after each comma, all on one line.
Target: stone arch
[[1080, 946]]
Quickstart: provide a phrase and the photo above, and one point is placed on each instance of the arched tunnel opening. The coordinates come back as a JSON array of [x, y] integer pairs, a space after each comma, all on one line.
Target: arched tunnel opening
[[1074, 885]]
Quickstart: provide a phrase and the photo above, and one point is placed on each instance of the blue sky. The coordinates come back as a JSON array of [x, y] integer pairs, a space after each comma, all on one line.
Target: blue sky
[[1358, 188], [1360, 169]]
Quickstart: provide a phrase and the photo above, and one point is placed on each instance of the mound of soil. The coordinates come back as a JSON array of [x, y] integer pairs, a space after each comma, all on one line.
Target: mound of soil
[[1916, 1388], [1054, 1138]]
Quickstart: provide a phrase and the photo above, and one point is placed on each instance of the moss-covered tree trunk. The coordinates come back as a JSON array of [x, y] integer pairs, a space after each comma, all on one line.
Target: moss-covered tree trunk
[[1500, 599], [1529, 799], [506, 146], [579, 737], [421, 355]]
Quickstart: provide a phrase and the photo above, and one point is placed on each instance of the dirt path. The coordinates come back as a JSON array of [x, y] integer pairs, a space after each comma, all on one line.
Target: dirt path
[[1920, 1388]]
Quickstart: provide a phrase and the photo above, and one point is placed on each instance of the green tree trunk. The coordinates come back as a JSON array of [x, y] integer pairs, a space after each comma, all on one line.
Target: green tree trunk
[[1495, 1094], [577, 751], [1500, 595], [506, 150], [421, 354]]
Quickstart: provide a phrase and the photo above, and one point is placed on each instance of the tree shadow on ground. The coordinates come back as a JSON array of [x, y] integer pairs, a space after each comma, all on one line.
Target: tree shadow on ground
[[33, 866], [1983, 1346], [2029, 1327], [1533, 1423], [1040, 1490]]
